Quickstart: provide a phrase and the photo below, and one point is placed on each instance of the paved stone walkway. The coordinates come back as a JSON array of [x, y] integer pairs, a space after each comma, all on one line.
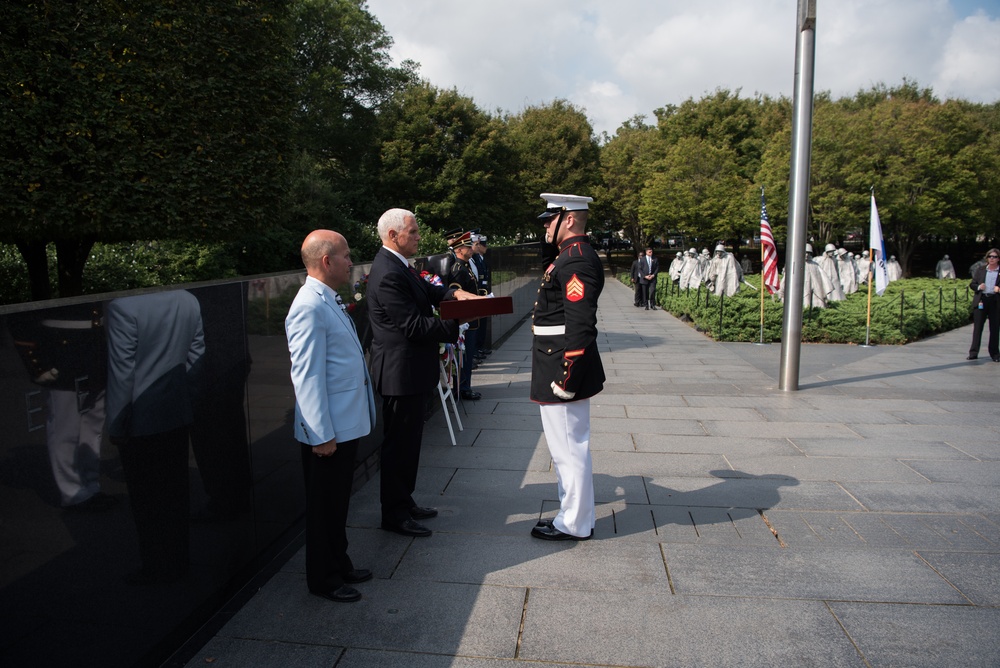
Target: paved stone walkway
[[855, 522]]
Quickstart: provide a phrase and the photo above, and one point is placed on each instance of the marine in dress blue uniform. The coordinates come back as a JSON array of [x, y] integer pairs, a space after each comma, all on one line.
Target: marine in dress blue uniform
[[566, 368]]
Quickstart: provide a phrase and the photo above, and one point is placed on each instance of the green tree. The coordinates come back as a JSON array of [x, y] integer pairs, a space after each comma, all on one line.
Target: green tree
[[446, 160], [627, 161], [919, 158], [695, 189], [343, 78], [556, 151], [140, 121]]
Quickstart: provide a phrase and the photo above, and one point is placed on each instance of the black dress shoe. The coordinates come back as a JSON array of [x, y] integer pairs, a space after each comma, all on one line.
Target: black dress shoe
[[418, 513], [543, 523], [972, 357], [470, 395], [996, 359], [342, 594], [408, 528], [358, 575], [549, 532]]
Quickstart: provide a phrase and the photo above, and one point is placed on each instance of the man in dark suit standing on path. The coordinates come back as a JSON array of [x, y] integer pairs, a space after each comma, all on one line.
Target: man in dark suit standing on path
[[404, 363], [649, 267], [636, 284]]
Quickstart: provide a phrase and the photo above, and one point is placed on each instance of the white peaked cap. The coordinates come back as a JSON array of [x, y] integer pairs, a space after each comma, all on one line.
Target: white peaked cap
[[566, 202]]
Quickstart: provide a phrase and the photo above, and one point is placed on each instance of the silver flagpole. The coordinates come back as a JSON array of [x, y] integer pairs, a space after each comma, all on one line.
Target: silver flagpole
[[798, 199]]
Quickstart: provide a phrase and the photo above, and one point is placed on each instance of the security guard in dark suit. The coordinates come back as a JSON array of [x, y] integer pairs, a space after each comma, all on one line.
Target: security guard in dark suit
[[566, 367], [484, 333], [461, 276]]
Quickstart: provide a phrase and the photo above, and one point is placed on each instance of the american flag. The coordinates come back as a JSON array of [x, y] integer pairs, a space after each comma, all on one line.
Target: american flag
[[769, 252]]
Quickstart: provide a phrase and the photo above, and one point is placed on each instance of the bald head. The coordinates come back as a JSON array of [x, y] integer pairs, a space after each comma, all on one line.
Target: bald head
[[327, 257]]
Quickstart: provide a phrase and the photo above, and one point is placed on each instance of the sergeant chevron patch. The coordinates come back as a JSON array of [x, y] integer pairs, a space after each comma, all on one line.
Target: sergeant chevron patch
[[574, 289]]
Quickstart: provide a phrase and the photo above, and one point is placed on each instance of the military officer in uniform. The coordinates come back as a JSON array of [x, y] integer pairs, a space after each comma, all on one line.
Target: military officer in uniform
[[566, 369], [461, 276]]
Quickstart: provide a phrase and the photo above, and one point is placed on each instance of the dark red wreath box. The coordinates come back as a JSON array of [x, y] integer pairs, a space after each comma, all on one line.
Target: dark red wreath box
[[471, 309]]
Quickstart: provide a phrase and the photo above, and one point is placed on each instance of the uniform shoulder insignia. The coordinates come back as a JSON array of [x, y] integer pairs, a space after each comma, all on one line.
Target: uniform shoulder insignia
[[574, 289]]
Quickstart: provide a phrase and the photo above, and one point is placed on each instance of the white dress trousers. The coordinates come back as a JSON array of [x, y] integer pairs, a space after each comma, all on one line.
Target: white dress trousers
[[567, 431]]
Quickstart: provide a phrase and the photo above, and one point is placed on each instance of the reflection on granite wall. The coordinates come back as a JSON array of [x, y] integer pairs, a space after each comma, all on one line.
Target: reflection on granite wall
[[147, 461]]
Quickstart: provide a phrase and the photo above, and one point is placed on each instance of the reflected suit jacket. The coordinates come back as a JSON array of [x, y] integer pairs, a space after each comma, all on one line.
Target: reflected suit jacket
[[333, 393], [156, 348], [406, 334]]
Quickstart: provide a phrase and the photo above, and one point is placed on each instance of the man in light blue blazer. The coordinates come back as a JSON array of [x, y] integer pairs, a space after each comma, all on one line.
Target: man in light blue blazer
[[334, 408]]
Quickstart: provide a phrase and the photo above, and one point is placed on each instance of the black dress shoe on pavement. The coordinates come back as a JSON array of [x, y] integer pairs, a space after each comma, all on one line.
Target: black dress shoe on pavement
[[358, 575], [549, 532], [418, 513], [543, 523], [996, 359], [470, 395], [972, 357], [408, 528], [342, 594]]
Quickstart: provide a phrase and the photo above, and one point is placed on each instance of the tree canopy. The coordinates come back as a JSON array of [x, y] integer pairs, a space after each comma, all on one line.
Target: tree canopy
[[253, 122]]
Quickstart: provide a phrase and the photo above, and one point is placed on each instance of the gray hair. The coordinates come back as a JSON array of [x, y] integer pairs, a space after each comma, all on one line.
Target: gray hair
[[393, 219]]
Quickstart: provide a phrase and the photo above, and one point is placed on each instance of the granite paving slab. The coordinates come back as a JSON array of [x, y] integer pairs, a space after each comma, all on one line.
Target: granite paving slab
[[969, 472], [827, 468], [762, 492], [241, 652], [976, 575], [877, 448], [939, 497], [522, 561], [683, 444], [776, 429], [414, 616], [921, 636], [832, 573], [364, 658], [484, 457], [657, 629]]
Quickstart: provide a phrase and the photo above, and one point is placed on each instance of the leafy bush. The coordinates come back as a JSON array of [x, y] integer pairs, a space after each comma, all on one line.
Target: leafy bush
[[909, 310]]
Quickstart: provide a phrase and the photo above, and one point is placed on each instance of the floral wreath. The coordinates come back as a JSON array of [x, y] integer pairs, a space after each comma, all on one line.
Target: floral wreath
[[446, 350]]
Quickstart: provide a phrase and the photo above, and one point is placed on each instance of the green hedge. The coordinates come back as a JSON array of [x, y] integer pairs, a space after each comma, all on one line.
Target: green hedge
[[910, 309]]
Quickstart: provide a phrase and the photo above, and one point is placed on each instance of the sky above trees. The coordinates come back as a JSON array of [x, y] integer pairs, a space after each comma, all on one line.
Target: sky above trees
[[618, 59]]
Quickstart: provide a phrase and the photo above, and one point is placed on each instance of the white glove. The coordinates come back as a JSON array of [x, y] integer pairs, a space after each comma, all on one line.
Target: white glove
[[561, 393]]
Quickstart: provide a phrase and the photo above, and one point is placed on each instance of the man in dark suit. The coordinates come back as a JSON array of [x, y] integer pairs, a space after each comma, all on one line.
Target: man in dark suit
[[156, 349], [649, 267], [482, 268], [634, 272], [334, 409], [404, 363], [462, 276]]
